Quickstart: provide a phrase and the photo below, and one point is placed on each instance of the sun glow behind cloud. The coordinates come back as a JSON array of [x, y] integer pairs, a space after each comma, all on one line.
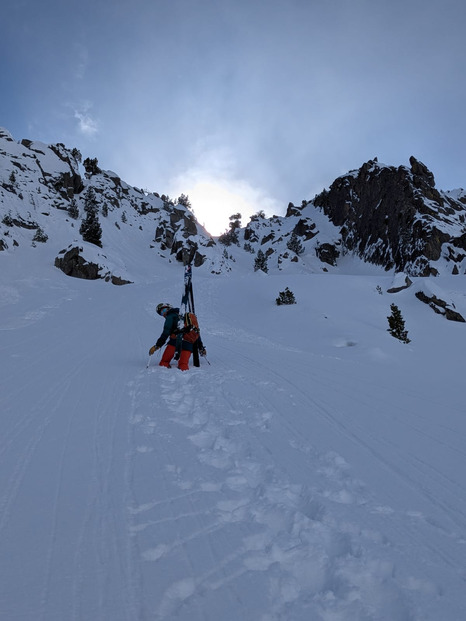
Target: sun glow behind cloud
[[215, 200]]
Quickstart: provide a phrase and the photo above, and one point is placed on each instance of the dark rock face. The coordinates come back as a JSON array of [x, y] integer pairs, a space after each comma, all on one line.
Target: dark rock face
[[189, 226], [250, 235], [440, 307], [305, 228], [23, 224], [387, 215], [73, 264], [187, 252], [268, 238], [53, 171], [405, 285], [392, 216], [6, 135], [328, 253], [116, 280], [176, 233], [69, 184], [292, 210]]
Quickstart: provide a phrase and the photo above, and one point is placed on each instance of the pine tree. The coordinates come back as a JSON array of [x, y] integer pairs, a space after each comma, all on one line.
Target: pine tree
[[260, 262], [294, 244], [228, 238], [39, 236], [231, 236], [235, 221], [90, 226], [285, 297], [397, 325], [260, 215], [73, 210], [91, 166], [76, 153], [183, 199]]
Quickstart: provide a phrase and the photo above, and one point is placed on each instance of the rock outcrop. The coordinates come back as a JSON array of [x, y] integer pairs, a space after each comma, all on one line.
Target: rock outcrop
[[400, 283], [395, 217], [43, 185], [439, 306], [72, 263], [391, 216]]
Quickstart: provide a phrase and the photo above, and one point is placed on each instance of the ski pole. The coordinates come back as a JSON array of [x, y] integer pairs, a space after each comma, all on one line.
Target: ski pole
[[148, 362]]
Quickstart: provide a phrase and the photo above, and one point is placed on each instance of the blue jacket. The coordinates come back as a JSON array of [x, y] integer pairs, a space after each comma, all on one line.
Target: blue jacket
[[170, 327]]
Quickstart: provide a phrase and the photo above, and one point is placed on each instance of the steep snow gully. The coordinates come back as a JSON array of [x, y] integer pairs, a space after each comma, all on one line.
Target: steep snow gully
[[312, 471]]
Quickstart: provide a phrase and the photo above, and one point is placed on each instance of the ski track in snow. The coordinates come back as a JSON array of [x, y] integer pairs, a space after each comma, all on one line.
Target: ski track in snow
[[301, 561], [45, 434], [99, 541], [207, 495], [251, 530]]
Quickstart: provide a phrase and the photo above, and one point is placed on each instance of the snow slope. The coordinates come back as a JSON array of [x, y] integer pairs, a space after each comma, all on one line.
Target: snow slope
[[313, 471]]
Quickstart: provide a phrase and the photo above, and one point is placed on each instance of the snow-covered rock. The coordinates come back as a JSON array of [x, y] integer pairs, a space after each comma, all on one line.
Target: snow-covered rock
[[41, 185], [395, 217], [389, 216]]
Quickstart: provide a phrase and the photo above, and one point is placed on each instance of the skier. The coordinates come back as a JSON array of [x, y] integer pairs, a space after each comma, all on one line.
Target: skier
[[176, 339]]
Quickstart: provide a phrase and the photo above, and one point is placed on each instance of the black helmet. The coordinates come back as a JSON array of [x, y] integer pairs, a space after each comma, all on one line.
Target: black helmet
[[161, 306]]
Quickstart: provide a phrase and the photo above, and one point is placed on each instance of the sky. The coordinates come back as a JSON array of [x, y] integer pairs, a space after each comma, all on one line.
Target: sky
[[240, 104]]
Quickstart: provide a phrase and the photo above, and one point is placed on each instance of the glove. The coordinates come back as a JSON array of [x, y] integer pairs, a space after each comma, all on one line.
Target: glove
[[153, 349], [203, 352]]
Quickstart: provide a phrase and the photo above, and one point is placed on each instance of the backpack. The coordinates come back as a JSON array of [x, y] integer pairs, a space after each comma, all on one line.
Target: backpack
[[191, 328]]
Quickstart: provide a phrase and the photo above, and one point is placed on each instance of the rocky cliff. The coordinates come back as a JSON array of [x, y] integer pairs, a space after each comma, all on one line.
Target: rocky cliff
[[395, 217], [42, 190], [391, 216]]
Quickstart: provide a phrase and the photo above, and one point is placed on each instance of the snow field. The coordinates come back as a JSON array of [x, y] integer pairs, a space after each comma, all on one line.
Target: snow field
[[313, 471], [248, 537]]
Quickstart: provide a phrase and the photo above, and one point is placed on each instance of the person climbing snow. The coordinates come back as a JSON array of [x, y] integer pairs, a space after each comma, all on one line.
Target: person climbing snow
[[179, 341]]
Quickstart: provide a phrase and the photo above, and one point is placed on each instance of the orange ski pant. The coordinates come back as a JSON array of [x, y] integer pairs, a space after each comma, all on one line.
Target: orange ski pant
[[167, 356], [183, 362]]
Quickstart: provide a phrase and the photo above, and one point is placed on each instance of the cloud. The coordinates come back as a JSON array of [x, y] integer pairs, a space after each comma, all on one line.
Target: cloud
[[82, 61], [87, 125], [245, 105]]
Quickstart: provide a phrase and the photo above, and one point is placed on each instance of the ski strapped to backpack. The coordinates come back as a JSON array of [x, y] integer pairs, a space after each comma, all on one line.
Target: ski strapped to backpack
[[190, 328]]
